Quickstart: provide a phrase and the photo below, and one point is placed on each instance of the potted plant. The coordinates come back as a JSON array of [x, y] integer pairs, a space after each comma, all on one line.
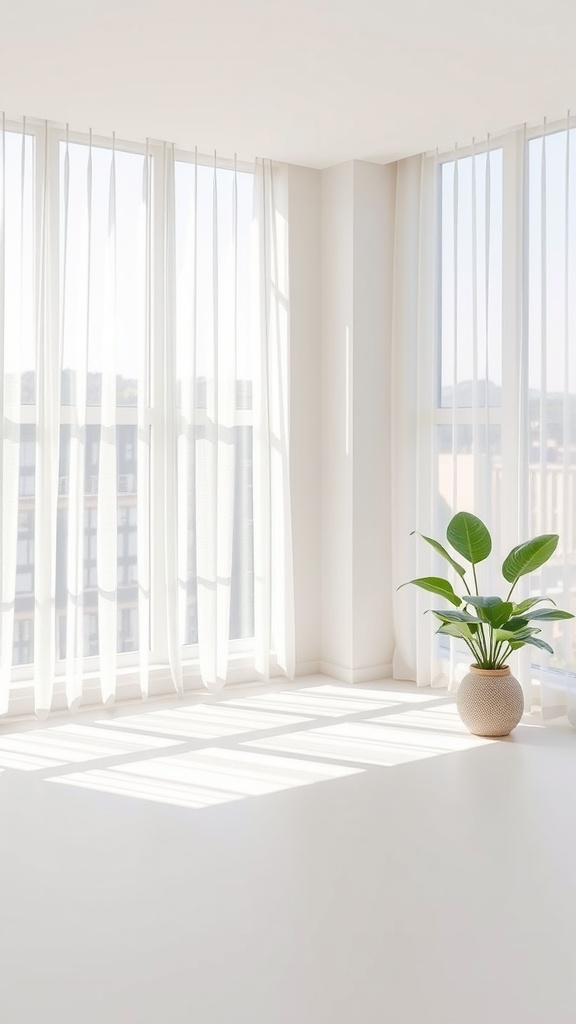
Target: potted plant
[[489, 699]]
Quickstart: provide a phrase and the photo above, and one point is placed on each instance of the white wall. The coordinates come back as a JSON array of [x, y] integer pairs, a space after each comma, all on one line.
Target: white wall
[[336, 397], [341, 243], [374, 198], [305, 454]]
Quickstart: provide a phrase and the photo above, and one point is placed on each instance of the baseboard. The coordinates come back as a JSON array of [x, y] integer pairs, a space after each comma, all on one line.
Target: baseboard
[[355, 675], [307, 668]]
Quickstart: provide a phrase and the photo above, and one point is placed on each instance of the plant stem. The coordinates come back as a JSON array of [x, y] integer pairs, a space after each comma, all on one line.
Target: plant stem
[[482, 643], [493, 646], [476, 653], [482, 640], [502, 659], [489, 645], [475, 578]]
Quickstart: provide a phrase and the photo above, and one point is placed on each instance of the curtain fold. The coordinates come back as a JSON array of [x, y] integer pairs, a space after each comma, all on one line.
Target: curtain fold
[[273, 570], [484, 385], [16, 290], [143, 402], [165, 470], [550, 434], [216, 446], [413, 399]]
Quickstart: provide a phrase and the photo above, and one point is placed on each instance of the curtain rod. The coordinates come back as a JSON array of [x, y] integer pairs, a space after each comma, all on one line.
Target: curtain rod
[[548, 125]]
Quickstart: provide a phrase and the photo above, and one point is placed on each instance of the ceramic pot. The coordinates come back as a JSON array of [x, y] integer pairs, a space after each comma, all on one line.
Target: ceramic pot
[[490, 701]]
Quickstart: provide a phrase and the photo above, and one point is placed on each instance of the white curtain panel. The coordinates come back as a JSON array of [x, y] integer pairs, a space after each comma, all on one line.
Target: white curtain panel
[[273, 571], [412, 409], [485, 384], [145, 528]]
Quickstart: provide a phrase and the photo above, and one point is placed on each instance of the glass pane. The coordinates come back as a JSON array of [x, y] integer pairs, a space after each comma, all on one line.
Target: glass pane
[[23, 644], [187, 508], [196, 297], [551, 261], [470, 478], [214, 367], [471, 281], [242, 568], [103, 272], [551, 300], [18, 159], [242, 589], [85, 507]]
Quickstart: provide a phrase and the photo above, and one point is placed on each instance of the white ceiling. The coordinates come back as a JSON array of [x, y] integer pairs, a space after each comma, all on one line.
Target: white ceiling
[[312, 82]]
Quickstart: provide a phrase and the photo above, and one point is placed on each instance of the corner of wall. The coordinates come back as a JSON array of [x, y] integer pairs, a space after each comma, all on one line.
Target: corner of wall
[[341, 263]]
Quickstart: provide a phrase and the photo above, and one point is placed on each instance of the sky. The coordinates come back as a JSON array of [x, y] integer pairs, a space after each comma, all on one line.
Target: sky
[[105, 326], [551, 175]]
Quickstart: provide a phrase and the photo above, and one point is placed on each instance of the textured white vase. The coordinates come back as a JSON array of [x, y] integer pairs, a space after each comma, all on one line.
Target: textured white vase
[[490, 701]]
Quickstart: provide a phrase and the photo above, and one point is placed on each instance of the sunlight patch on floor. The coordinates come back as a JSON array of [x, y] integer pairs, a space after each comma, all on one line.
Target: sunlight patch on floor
[[70, 744], [205, 778], [370, 742], [332, 701], [205, 721], [443, 718]]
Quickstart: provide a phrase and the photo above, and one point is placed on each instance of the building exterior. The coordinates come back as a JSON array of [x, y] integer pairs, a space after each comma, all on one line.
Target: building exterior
[[242, 586]]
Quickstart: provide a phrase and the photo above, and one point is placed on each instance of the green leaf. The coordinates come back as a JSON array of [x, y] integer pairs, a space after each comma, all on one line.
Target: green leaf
[[458, 617], [459, 629], [436, 585], [529, 556], [469, 537], [442, 551], [549, 615], [524, 606], [493, 610], [497, 615], [513, 634], [454, 616], [512, 625], [535, 641]]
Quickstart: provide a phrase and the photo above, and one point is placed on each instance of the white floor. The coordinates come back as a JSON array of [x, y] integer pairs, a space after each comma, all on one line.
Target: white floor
[[325, 855]]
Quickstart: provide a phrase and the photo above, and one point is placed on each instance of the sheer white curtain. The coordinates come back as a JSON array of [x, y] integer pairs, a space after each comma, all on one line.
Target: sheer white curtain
[[485, 382], [273, 574], [413, 400], [145, 535]]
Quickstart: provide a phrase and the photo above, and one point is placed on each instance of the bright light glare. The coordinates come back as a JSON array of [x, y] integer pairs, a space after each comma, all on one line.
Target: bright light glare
[[205, 778], [70, 744], [332, 701], [205, 721], [374, 696], [444, 718], [369, 743]]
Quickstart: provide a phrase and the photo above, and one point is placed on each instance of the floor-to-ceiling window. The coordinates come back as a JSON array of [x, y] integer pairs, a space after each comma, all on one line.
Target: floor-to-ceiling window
[[493, 366], [127, 302]]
